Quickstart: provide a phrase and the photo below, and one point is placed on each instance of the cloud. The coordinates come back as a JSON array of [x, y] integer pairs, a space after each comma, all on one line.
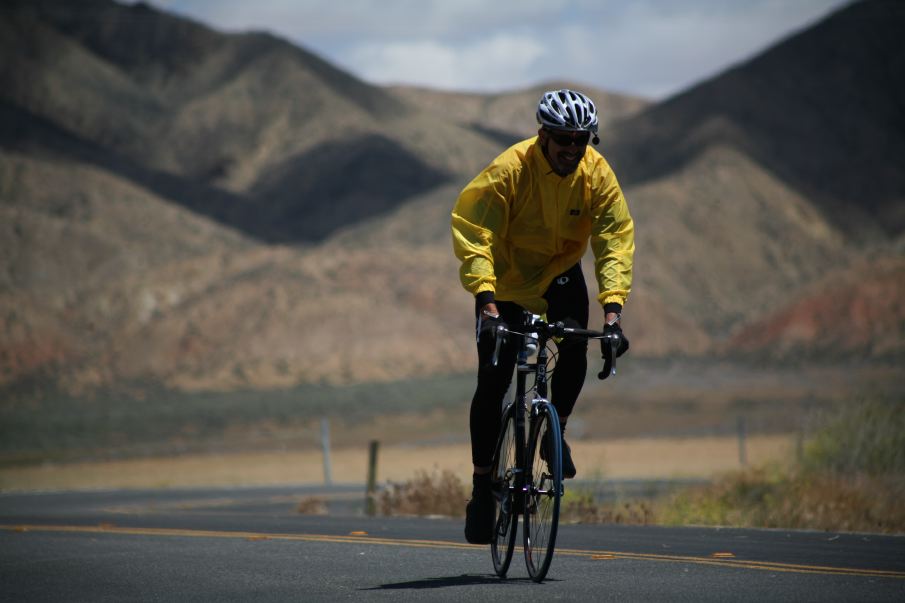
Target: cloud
[[497, 63], [647, 47], [369, 19]]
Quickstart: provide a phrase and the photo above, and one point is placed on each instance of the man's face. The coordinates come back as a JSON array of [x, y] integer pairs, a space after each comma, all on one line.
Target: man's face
[[563, 149]]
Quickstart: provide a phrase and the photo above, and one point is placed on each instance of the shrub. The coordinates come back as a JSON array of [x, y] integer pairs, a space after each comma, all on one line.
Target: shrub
[[426, 494], [866, 437], [796, 501], [580, 507], [851, 478]]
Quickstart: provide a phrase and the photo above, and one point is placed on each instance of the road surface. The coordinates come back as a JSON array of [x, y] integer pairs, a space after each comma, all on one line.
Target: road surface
[[252, 544]]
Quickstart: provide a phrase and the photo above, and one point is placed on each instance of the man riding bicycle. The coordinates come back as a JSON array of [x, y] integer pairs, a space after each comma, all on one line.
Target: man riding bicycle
[[520, 229]]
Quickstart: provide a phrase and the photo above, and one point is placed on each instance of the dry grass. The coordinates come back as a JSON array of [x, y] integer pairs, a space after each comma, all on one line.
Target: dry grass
[[580, 507], [653, 458], [312, 505], [851, 477], [627, 458], [776, 499], [442, 493], [436, 493], [758, 497]]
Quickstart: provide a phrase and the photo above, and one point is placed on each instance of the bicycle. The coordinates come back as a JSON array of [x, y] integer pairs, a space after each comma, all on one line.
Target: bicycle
[[527, 473]]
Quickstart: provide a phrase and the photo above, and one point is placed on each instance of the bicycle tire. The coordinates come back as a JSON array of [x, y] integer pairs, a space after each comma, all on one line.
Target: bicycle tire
[[540, 521], [503, 543]]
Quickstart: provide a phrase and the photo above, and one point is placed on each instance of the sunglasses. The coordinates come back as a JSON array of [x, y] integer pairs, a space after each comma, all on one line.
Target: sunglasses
[[565, 139]]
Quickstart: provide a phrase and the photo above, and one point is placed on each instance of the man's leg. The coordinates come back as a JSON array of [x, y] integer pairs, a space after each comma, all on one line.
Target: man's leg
[[567, 300], [493, 382], [484, 424]]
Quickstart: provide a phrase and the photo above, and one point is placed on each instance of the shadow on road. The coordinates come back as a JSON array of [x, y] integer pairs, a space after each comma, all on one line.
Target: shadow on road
[[443, 582]]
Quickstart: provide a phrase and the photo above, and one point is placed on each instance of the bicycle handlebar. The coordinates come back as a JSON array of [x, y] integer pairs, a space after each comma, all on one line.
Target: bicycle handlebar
[[559, 329]]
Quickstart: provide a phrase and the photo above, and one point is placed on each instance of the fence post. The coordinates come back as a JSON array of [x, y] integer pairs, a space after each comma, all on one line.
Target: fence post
[[325, 447], [742, 444], [371, 494]]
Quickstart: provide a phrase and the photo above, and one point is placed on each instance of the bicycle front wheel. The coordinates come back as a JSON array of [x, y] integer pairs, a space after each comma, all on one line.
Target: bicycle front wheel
[[504, 486], [543, 490]]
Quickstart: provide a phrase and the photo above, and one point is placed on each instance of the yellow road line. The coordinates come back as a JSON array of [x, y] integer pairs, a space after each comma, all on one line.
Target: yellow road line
[[224, 502], [442, 544], [112, 529], [738, 563]]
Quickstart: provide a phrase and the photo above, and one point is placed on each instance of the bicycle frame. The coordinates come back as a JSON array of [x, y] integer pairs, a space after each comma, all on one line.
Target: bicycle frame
[[528, 415], [522, 409], [527, 466]]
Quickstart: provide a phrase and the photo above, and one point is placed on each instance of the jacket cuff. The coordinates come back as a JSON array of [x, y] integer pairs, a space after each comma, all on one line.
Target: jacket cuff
[[612, 307], [482, 299]]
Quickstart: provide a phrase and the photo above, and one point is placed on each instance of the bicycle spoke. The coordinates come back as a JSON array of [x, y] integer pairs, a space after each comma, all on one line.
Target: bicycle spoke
[[543, 492], [503, 543]]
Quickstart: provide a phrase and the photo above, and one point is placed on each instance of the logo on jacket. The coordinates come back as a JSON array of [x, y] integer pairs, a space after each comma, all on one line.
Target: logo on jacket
[[574, 212]]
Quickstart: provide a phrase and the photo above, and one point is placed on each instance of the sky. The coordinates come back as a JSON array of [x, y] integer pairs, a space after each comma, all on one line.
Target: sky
[[649, 48]]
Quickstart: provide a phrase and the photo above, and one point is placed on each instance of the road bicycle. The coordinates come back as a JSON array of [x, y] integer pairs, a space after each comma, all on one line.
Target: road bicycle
[[526, 474]]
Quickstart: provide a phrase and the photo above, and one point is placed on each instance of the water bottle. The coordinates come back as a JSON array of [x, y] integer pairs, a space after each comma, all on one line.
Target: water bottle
[[531, 338]]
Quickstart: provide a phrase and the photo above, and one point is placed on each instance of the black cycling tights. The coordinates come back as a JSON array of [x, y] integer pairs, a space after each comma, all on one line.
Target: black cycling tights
[[567, 300]]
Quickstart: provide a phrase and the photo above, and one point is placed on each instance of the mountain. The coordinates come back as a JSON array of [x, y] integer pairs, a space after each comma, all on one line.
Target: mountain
[[247, 129], [767, 176], [149, 162], [823, 112], [508, 115], [214, 211], [150, 165]]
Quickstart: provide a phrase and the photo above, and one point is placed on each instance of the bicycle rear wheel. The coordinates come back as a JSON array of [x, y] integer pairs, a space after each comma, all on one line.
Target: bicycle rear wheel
[[503, 477], [543, 491]]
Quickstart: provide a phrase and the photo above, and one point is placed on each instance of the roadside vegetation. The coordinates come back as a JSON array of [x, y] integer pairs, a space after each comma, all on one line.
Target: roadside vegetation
[[850, 476], [436, 493], [40, 424]]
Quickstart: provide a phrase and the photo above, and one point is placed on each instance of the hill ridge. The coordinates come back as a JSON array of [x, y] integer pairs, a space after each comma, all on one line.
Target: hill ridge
[[269, 228]]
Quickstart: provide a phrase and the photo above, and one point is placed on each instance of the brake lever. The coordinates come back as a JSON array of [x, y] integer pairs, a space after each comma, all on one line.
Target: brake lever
[[609, 356], [498, 336], [609, 359]]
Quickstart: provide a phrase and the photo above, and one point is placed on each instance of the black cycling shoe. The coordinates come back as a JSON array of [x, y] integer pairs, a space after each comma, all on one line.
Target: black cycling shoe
[[480, 515], [568, 467]]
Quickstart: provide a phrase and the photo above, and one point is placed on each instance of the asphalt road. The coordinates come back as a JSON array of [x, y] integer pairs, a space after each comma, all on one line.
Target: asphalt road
[[253, 545]]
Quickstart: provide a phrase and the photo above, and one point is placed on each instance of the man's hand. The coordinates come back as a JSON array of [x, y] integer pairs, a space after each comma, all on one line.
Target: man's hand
[[612, 327], [488, 320], [489, 310]]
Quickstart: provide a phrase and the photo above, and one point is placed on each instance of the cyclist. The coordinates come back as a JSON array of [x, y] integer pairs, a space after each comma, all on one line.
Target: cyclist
[[520, 229]]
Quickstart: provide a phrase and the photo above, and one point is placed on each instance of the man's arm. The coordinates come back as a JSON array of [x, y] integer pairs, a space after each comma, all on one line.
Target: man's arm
[[479, 216], [613, 244]]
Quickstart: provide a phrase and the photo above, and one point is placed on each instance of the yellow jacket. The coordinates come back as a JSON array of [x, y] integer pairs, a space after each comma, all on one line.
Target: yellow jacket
[[518, 225]]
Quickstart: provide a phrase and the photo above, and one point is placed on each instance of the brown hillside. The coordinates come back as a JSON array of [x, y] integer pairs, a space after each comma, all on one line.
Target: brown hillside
[[65, 246], [217, 211], [852, 312], [722, 239]]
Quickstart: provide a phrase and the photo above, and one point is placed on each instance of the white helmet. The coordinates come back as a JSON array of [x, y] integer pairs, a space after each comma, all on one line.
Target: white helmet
[[567, 110]]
